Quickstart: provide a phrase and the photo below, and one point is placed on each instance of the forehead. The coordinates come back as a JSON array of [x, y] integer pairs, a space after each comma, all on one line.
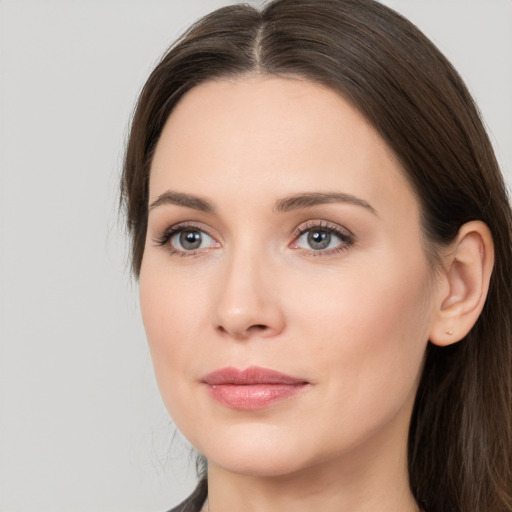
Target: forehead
[[274, 135]]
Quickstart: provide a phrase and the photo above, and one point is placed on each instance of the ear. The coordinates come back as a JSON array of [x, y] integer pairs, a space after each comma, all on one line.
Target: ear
[[463, 283]]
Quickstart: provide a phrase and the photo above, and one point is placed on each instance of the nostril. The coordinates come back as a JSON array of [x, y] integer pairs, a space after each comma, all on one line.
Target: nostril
[[257, 327], [244, 332]]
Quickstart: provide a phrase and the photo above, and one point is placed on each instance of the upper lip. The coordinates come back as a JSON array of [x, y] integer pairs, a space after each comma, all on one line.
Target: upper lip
[[252, 375]]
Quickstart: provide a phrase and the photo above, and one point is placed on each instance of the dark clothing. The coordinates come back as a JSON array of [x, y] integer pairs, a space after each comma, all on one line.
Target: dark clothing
[[196, 500]]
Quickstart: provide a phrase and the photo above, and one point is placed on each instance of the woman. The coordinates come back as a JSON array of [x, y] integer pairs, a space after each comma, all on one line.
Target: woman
[[323, 241]]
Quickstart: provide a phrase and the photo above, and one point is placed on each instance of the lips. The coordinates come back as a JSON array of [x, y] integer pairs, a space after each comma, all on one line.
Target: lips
[[252, 388]]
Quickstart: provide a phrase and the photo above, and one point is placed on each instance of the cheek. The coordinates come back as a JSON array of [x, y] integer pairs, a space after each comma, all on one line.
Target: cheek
[[373, 297], [173, 303], [369, 330], [169, 316]]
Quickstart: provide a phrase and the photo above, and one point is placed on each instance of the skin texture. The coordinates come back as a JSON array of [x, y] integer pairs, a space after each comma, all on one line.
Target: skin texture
[[352, 320]]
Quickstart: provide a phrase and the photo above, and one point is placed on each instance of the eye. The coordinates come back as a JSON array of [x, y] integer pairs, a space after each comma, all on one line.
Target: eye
[[186, 239], [191, 240], [322, 238]]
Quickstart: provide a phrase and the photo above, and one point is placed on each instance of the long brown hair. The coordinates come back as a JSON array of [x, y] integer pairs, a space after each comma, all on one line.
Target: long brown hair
[[460, 439]]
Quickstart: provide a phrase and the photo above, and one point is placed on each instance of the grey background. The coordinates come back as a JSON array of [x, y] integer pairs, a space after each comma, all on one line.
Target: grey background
[[82, 427]]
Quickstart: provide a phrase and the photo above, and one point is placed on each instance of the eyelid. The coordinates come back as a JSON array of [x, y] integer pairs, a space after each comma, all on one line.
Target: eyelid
[[346, 237], [163, 239]]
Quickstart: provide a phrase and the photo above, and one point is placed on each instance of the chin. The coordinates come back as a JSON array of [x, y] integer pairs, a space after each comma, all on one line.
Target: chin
[[256, 450], [260, 463]]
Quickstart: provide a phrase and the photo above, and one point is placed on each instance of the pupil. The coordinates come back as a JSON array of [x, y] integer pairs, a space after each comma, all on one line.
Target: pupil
[[190, 239], [319, 239]]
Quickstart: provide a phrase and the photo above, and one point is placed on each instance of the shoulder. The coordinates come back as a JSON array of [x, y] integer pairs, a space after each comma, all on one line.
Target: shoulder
[[195, 501]]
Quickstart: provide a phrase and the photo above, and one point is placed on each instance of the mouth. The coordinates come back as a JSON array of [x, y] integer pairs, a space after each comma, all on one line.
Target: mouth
[[251, 389]]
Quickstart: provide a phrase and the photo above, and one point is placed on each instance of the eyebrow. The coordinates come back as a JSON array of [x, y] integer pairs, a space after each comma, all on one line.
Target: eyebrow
[[308, 200], [290, 203], [180, 199]]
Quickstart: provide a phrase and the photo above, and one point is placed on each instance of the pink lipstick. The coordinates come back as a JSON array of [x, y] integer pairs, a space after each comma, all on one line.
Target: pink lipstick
[[252, 388]]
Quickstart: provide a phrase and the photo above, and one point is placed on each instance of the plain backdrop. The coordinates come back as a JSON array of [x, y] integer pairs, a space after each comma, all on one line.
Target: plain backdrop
[[82, 427]]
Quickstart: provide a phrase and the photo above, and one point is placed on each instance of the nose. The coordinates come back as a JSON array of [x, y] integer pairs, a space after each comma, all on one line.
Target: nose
[[249, 301]]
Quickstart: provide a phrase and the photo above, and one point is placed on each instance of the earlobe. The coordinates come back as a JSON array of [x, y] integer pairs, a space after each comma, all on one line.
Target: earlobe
[[466, 274]]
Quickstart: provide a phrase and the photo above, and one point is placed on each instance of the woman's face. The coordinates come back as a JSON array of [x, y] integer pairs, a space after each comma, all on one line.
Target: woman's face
[[283, 236]]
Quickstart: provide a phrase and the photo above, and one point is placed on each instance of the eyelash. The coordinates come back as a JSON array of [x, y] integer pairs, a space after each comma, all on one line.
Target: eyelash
[[164, 239], [346, 238]]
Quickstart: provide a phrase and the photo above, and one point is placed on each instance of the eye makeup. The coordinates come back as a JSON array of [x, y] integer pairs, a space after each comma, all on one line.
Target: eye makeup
[[322, 238], [312, 238], [193, 239]]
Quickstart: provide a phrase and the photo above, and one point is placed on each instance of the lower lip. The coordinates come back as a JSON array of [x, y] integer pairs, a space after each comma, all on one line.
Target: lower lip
[[253, 396]]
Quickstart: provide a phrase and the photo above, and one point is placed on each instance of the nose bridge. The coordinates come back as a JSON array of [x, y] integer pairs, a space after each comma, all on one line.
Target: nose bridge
[[247, 302]]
